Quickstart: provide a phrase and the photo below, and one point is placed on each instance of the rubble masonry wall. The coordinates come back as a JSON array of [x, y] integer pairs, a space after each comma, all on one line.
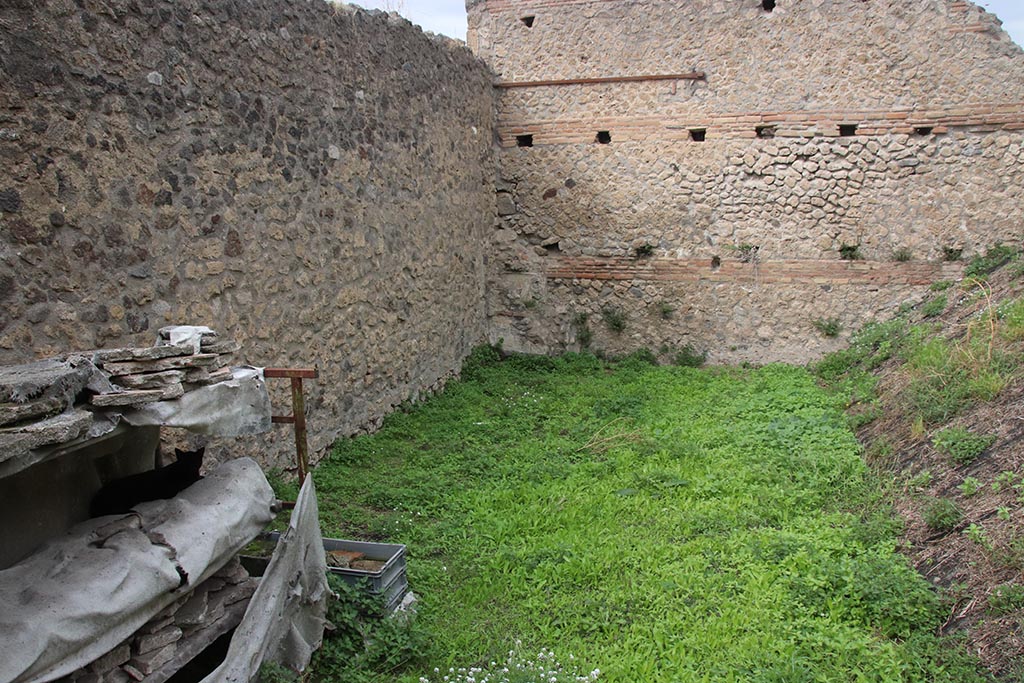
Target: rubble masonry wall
[[311, 180], [895, 127]]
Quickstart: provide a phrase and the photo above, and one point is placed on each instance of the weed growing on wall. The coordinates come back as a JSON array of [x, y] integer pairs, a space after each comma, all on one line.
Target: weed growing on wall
[[614, 318], [661, 523], [644, 251], [584, 335], [828, 327], [689, 358], [850, 252]]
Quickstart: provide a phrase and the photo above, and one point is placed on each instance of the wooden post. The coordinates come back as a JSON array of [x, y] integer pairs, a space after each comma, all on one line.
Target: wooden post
[[298, 416]]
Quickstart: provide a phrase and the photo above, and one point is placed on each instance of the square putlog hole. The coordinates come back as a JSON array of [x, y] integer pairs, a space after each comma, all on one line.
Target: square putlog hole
[[524, 140], [698, 134], [604, 137]]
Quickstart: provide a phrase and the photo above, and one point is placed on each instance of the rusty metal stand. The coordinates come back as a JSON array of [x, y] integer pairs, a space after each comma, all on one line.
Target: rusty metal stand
[[298, 416]]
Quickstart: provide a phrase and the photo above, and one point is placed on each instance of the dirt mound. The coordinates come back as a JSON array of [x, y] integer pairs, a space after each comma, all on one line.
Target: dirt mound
[[946, 419]]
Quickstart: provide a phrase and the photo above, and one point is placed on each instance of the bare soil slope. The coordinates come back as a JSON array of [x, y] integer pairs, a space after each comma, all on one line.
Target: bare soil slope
[[947, 420]]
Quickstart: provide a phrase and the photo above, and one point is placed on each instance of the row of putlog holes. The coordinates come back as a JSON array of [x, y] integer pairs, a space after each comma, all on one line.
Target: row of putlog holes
[[604, 137], [528, 20]]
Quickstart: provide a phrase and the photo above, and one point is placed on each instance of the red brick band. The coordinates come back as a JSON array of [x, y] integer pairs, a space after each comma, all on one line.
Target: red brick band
[[792, 124], [782, 271]]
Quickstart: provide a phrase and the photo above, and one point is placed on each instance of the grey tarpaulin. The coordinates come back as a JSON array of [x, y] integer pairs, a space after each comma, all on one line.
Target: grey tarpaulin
[[235, 407], [82, 594], [285, 619]]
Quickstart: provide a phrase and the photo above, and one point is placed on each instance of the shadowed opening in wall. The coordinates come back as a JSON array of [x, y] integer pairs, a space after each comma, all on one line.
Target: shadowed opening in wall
[[528, 21], [923, 130], [765, 131], [604, 137], [698, 134], [767, 5], [524, 140], [847, 129]]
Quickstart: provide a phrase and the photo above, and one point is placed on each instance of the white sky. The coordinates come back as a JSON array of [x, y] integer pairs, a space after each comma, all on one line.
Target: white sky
[[449, 16]]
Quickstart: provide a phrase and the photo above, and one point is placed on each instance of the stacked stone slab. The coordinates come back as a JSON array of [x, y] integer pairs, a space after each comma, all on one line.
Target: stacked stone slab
[[56, 401]]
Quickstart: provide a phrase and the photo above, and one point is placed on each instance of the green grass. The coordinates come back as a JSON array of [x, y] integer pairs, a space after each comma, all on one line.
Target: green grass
[[995, 257], [659, 523]]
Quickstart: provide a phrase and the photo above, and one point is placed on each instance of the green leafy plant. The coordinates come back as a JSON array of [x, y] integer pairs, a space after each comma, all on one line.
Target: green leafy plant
[[850, 252], [584, 335], [643, 251], [962, 446], [978, 535], [1006, 599], [747, 253], [941, 285], [688, 357], [1004, 480], [992, 259], [272, 672], [934, 307], [942, 514], [952, 253], [366, 641], [665, 310], [902, 255], [970, 486], [614, 318], [920, 481], [1011, 317], [828, 327]]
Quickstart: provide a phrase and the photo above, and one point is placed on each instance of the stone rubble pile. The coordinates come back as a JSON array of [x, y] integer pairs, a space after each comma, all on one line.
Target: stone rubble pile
[[51, 402]]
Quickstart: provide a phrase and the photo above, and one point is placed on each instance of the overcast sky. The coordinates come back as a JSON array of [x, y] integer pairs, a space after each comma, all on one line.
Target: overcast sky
[[449, 16]]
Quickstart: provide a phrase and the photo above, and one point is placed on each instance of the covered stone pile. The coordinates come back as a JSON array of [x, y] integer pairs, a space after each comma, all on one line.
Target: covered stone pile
[[178, 633], [52, 402]]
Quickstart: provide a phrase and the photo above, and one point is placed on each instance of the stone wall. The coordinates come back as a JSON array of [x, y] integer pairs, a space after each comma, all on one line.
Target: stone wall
[[700, 168], [312, 180]]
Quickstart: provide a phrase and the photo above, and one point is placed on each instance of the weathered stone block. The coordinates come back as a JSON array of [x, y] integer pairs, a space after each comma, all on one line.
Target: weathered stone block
[[149, 642], [112, 659], [194, 612], [127, 398], [199, 360], [153, 660]]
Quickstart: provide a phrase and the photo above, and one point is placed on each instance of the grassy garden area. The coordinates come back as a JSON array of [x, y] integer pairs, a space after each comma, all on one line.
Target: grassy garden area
[[655, 523]]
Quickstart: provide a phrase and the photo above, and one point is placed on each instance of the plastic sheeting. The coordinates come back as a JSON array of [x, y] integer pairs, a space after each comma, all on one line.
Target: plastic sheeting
[[83, 594], [236, 407], [286, 616]]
